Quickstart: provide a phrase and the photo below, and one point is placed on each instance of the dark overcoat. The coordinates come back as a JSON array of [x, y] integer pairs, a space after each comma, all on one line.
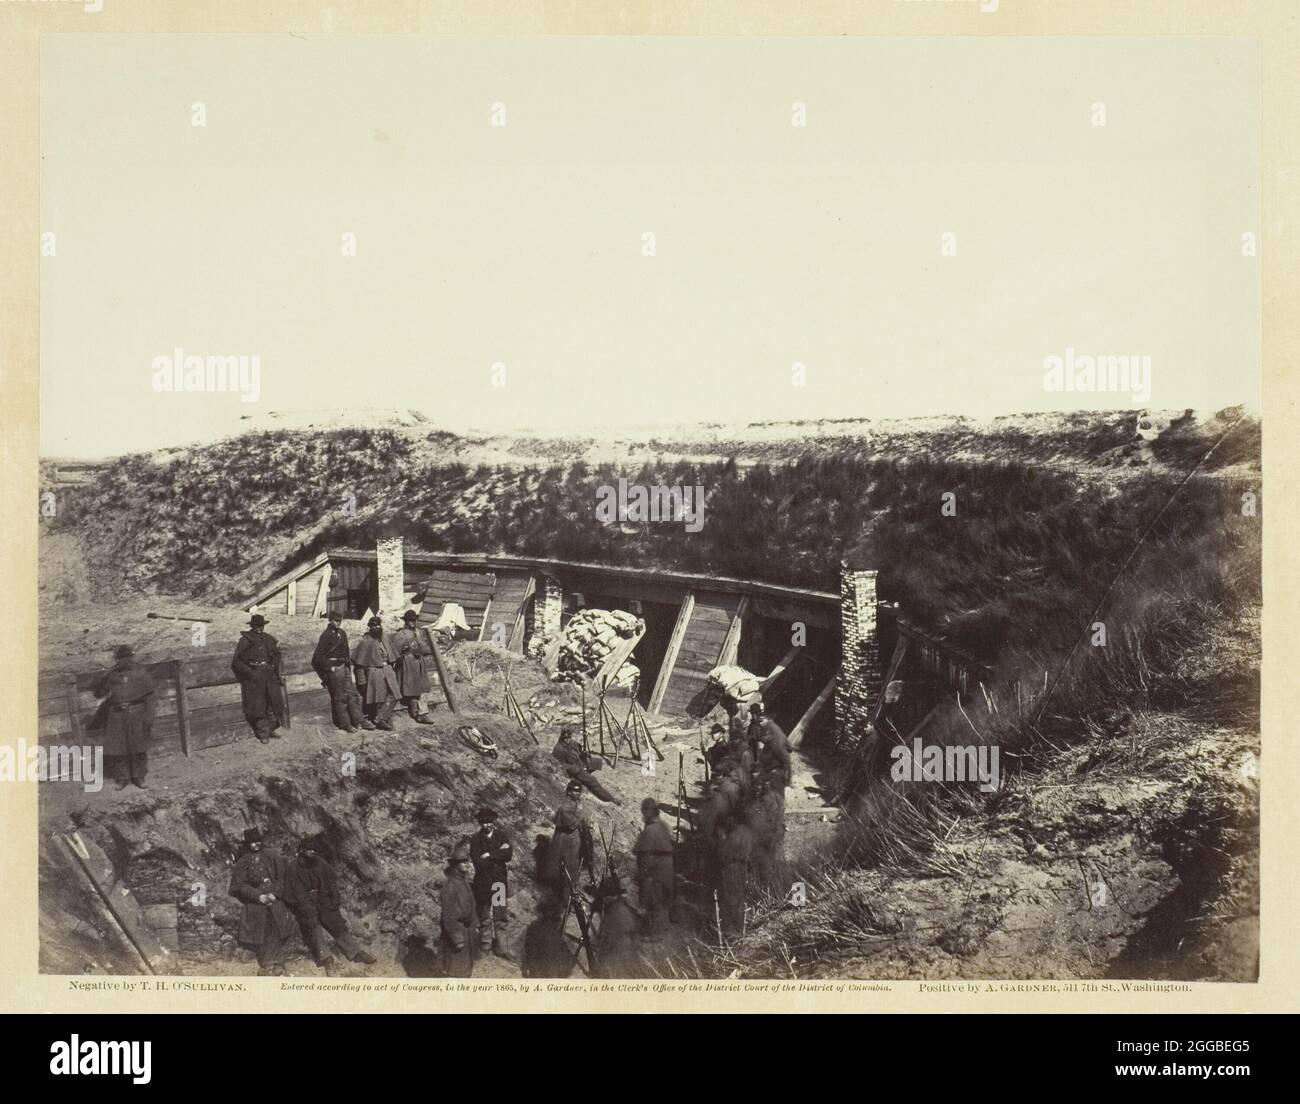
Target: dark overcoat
[[459, 927], [256, 873], [259, 666], [125, 717], [373, 659], [490, 851], [411, 665]]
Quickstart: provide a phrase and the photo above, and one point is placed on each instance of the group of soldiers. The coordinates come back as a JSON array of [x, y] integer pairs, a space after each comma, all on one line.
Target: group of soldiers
[[742, 818], [366, 683]]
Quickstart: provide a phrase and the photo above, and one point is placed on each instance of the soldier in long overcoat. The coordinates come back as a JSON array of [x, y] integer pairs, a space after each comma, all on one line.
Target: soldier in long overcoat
[[373, 659], [257, 880], [259, 666], [411, 668], [654, 868], [459, 925], [618, 944], [126, 715]]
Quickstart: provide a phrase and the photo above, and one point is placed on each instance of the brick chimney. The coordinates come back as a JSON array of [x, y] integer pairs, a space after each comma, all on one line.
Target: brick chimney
[[547, 607], [391, 577], [860, 669]]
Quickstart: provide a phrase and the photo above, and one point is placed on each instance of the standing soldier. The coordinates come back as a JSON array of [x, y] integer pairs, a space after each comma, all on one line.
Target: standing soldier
[[373, 658], [490, 851], [735, 850], [332, 662], [654, 868], [459, 917], [771, 747], [412, 674], [260, 669], [312, 890], [618, 954], [257, 880], [563, 856], [129, 695]]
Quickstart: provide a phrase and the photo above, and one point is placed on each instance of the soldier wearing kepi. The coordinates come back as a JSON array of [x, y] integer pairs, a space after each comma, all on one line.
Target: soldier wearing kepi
[[333, 663], [459, 916], [312, 890], [129, 696], [257, 879], [373, 658], [654, 868], [412, 674], [260, 669], [491, 853]]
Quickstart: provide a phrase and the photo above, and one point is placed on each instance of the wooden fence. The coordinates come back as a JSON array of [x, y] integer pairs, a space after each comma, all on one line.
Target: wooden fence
[[198, 703]]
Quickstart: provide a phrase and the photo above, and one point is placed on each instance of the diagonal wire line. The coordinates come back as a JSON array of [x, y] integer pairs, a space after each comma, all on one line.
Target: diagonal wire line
[[1124, 566]]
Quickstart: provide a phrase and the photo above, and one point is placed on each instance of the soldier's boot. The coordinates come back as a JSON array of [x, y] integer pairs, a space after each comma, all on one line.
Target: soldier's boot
[[367, 725]]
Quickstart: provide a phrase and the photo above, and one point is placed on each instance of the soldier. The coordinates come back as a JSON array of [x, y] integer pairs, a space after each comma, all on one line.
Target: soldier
[[490, 851], [735, 848], [260, 669], [333, 663], [257, 879], [412, 674], [773, 749], [312, 890], [126, 715], [654, 868], [579, 764], [459, 916], [564, 855], [373, 658], [618, 953]]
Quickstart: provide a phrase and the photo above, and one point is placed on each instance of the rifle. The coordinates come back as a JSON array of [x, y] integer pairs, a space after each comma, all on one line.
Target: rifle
[[577, 906]]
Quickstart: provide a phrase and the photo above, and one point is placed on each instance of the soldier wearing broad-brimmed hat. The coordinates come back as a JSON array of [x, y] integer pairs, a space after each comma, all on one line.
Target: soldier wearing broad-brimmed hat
[[491, 852], [411, 666], [259, 666], [126, 716], [257, 880], [459, 922]]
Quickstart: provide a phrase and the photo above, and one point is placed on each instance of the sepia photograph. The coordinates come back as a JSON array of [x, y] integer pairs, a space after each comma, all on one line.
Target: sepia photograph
[[649, 509]]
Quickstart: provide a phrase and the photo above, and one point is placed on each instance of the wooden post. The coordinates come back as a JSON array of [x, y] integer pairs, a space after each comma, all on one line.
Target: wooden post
[[182, 705], [670, 656], [516, 643], [731, 643], [797, 733], [442, 671]]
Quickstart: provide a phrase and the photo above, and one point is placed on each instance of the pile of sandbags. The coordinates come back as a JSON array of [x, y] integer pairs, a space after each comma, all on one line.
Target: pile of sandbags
[[588, 639], [733, 683]]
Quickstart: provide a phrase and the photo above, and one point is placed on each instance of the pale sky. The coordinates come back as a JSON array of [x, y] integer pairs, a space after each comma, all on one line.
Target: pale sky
[[522, 244]]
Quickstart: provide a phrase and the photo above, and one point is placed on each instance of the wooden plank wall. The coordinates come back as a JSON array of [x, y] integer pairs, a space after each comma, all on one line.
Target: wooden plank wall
[[702, 644], [471, 589], [512, 588], [66, 704]]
